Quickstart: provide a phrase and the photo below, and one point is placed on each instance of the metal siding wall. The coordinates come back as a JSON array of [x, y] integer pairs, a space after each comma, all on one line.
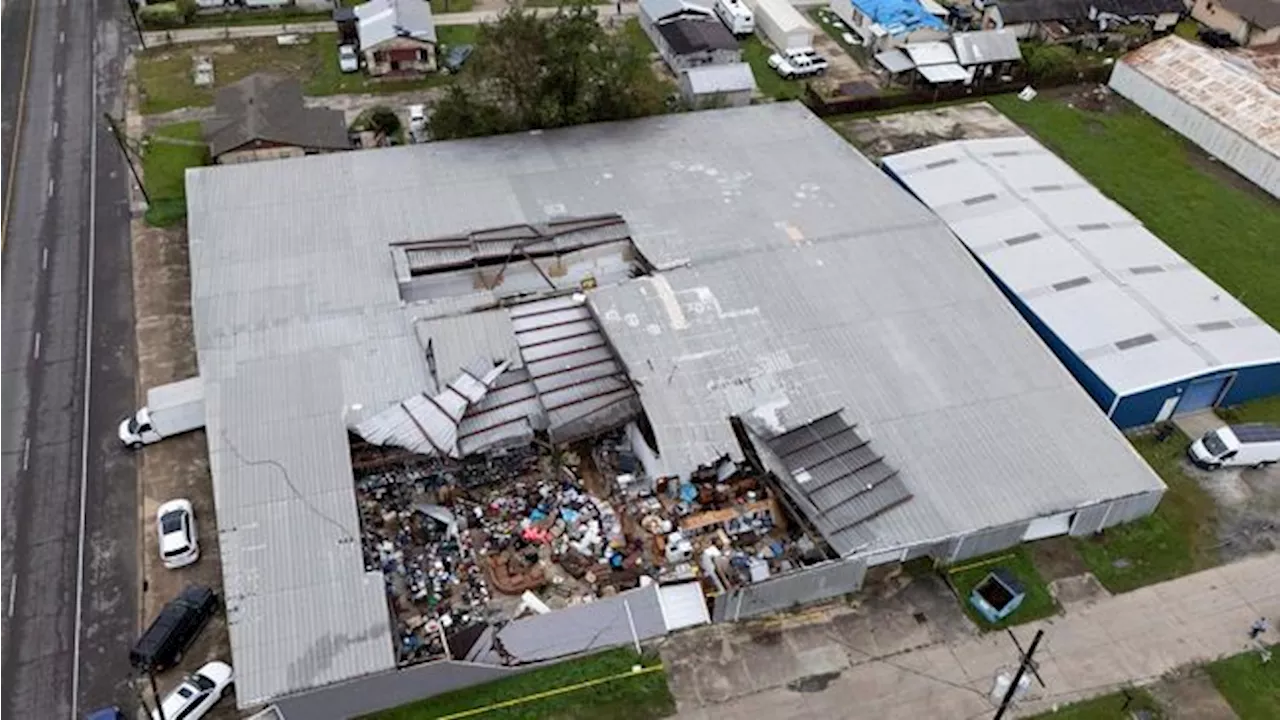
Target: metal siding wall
[[819, 582], [985, 542], [937, 551], [1253, 383], [1134, 507], [1241, 154], [1089, 520]]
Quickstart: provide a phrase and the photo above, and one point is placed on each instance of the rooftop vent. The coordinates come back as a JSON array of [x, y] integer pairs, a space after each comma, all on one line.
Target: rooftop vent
[[1136, 341], [1072, 283], [1019, 239], [1215, 325], [980, 199], [941, 163], [1094, 226], [1045, 188], [1006, 153], [1146, 269]]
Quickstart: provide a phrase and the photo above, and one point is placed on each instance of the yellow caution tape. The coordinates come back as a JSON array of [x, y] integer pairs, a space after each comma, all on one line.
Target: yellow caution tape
[[980, 563], [551, 693]]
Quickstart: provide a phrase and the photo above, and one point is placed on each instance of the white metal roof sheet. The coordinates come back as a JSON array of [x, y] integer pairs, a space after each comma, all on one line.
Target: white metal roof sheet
[[950, 72], [1086, 266], [930, 53], [710, 79]]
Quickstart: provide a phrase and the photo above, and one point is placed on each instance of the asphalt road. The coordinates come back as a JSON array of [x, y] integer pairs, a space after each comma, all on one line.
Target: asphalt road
[[69, 576]]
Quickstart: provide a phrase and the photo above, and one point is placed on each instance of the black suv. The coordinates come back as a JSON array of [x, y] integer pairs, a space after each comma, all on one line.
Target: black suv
[[174, 629]]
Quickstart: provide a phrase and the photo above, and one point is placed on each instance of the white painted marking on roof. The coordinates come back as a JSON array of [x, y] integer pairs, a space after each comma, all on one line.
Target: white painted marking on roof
[[50, 187], [44, 259], [675, 313], [55, 129], [26, 453], [58, 79], [62, 37], [35, 351], [13, 592]]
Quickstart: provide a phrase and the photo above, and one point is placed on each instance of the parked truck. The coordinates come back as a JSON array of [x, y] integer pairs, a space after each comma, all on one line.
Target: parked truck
[[170, 410], [1254, 445]]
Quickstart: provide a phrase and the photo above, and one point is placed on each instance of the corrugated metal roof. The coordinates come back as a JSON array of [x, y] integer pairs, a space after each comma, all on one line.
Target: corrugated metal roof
[[838, 478], [378, 21], [1221, 84], [781, 292], [1084, 265], [930, 53], [986, 46], [895, 61], [943, 73], [711, 79]]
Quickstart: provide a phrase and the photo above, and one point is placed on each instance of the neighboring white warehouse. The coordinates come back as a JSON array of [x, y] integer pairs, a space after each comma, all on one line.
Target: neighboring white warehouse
[[791, 308], [782, 23], [1218, 99], [1146, 333]]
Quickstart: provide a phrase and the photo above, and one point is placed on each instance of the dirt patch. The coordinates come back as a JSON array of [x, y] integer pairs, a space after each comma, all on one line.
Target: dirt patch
[[900, 132], [1071, 592], [842, 68], [177, 467], [1191, 697], [1056, 558], [1248, 503]]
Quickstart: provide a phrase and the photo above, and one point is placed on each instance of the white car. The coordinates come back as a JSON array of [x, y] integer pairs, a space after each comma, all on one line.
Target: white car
[[176, 523], [797, 63], [198, 692], [348, 61]]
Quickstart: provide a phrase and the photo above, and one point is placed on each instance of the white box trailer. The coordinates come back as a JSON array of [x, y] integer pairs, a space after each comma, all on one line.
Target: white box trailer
[[170, 410], [1253, 445], [782, 24]]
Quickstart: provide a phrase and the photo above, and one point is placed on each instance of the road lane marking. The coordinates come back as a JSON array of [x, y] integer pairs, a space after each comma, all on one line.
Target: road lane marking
[[17, 125], [94, 125], [62, 37], [44, 258], [36, 350], [58, 79], [13, 592], [26, 453], [55, 129], [50, 187]]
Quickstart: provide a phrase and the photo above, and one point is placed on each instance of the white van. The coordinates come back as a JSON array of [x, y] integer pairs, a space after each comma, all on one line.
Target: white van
[[1253, 445], [736, 16]]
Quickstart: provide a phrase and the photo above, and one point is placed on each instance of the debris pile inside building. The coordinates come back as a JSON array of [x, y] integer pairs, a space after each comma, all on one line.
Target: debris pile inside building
[[462, 543]]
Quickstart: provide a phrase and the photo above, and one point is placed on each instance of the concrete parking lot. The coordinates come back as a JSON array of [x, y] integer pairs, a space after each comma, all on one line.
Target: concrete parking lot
[[175, 467]]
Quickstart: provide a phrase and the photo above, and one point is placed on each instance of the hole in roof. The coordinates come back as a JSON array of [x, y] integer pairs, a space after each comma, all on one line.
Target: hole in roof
[[1215, 325], [1019, 239], [941, 163], [1136, 341], [980, 199], [1094, 226], [1072, 283], [1146, 269]]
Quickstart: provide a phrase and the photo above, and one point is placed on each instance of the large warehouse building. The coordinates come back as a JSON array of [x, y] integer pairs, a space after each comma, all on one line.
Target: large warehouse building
[[716, 275], [1219, 100], [1145, 332]]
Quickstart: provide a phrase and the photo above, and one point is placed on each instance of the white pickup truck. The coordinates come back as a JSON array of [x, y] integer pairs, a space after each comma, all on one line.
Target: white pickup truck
[[170, 410], [798, 63]]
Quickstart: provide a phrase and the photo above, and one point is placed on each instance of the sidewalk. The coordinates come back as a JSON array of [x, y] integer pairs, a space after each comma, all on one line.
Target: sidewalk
[[158, 38], [1133, 638]]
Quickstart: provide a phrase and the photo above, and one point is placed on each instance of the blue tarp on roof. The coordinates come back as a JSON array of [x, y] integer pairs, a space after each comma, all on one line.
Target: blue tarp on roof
[[898, 16]]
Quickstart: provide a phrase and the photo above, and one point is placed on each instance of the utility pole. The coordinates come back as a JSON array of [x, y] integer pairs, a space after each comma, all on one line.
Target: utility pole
[[115, 132], [1017, 677], [137, 25], [155, 694]]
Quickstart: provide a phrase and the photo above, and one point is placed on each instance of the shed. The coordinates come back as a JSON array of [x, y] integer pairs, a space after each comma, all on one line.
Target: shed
[[1219, 100], [1144, 331], [986, 47], [782, 23], [718, 85]]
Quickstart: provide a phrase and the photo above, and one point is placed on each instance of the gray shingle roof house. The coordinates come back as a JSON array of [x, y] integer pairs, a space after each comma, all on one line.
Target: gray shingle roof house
[[264, 116]]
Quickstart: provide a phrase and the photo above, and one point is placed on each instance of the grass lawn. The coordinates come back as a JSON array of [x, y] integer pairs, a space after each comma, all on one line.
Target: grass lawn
[[1116, 706], [635, 35], [1265, 410], [164, 166], [819, 16], [451, 6], [1215, 222], [276, 16], [1250, 687], [642, 697], [756, 53], [1178, 538], [1038, 604], [165, 73]]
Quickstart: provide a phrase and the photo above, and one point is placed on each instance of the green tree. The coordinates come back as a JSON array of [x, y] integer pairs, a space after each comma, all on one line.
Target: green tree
[[543, 72]]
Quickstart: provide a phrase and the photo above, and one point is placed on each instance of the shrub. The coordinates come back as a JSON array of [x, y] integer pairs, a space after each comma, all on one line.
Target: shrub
[[161, 16]]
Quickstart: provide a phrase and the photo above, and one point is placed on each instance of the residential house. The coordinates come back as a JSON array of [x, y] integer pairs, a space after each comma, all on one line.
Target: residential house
[[690, 43], [655, 13], [885, 24], [263, 117], [1066, 20], [1248, 22], [714, 86], [397, 37]]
